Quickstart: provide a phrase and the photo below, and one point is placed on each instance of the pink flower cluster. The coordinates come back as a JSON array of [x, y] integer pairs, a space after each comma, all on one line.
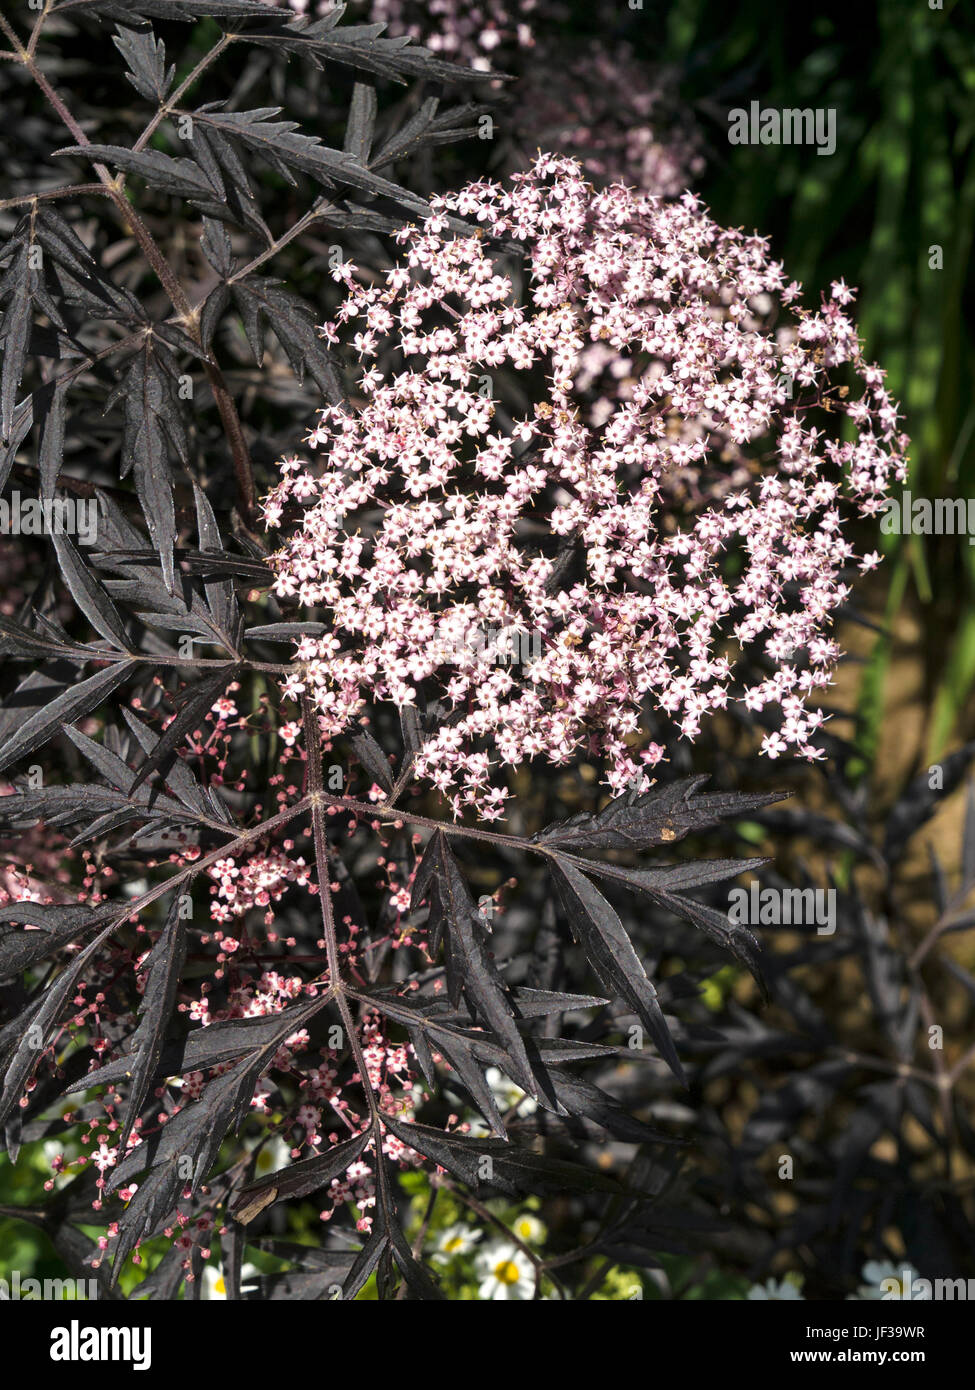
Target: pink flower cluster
[[321, 1108], [613, 112], [391, 1080], [472, 32], [257, 882], [36, 867], [602, 105], [268, 994], [326, 1108], [469, 32], [524, 427]]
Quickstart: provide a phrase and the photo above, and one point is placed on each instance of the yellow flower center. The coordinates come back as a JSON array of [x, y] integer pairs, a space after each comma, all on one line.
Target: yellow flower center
[[454, 1243], [507, 1272], [219, 1285]]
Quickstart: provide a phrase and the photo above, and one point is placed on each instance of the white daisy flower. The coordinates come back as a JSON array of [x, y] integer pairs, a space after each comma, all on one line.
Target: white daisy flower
[[505, 1272], [780, 1291], [274, 1154], [455, 1240], [507, 1094], [879, 1278], [528, 1228], [215, 1286]]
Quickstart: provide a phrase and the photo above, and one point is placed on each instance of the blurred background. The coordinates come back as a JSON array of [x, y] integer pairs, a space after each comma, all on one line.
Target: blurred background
[[900, 185]]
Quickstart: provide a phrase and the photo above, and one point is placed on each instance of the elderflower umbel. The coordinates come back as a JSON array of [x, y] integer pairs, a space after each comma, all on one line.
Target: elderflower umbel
[[570, 446]]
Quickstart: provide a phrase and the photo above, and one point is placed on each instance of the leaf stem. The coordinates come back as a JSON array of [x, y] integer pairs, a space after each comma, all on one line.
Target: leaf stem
[[166, 109], [243, 468], [50, 195]]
